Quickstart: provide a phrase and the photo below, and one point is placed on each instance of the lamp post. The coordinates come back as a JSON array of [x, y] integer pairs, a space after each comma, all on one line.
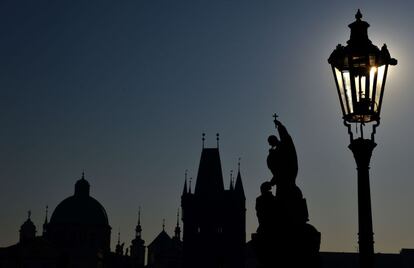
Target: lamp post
[[360, 70]]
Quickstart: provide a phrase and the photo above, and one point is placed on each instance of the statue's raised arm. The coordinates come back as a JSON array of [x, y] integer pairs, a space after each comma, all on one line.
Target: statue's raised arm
[[282, 160]]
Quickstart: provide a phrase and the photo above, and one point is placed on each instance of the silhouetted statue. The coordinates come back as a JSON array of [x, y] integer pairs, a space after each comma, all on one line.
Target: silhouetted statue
[[284, 238]]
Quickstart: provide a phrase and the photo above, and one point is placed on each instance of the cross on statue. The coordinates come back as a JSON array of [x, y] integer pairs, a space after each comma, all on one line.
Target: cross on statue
[[275, 116]]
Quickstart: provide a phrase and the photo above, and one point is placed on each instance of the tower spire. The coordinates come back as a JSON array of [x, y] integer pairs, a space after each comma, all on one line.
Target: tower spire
[[203, 138], [189, 189], [163, 224], [138, 229], [177, 229], [218, 139], [239, 185]]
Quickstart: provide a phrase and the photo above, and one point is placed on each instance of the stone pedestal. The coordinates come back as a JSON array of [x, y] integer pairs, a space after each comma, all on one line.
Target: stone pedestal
[[284, 238]]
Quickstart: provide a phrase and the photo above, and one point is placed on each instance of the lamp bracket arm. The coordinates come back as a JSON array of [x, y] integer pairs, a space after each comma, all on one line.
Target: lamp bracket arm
[[374, 129], [351, 135]]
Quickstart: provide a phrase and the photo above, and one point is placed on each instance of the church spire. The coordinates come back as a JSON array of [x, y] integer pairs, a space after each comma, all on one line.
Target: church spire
[[177, 230], [163, 225], [138, 229]]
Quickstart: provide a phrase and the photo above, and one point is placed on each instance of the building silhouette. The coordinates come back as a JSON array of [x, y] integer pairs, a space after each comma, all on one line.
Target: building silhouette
[[79, 227], [165, 251], [214, 218], [214, 233]]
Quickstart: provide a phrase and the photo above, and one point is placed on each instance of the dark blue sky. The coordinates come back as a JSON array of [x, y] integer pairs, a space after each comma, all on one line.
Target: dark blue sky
[[124, 89]]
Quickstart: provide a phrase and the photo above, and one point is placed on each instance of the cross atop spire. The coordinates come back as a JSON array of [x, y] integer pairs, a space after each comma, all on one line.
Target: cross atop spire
[[163, 224], [218, 139], [238, 164], [203, 138]]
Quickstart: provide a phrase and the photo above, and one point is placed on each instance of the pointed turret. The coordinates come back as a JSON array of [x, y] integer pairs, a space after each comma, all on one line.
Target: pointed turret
[[46, 222], [239, 185]]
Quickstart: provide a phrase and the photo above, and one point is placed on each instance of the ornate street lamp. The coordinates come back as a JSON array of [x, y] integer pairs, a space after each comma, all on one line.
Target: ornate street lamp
[[360, 71]]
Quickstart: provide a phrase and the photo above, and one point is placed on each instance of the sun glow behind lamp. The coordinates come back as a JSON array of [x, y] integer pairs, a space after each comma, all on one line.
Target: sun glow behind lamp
[[360, 71]]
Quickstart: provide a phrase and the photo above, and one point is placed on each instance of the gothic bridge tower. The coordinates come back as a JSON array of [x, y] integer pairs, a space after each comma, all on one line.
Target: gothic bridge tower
[[214, 219]]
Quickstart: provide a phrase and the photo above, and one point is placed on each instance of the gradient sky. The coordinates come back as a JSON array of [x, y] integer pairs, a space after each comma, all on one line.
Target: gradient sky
[[124, 89]]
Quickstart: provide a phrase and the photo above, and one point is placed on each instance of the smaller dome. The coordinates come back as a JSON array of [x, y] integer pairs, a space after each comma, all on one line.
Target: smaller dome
[[28, 229], [82, 186]]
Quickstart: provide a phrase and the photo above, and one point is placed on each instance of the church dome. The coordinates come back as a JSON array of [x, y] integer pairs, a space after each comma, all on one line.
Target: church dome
[[80, 208]]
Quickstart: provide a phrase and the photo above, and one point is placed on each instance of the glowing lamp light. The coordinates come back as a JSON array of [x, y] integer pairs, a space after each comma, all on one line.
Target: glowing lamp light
[[360, 71]]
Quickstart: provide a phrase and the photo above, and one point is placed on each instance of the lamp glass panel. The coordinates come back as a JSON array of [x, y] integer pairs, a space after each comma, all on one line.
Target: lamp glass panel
[[347, 84], [357, 88], [380, 79], [371, 81], [342, 96]]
